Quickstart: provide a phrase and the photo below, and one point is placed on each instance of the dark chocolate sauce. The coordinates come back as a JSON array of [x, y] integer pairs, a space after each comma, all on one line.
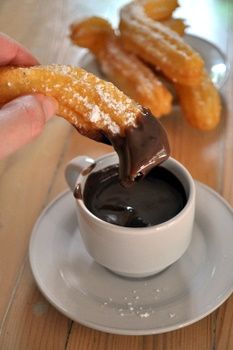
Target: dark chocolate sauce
[[156, 198]]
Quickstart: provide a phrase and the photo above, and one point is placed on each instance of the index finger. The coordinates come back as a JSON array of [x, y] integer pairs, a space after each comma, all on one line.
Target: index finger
[[13, 53]]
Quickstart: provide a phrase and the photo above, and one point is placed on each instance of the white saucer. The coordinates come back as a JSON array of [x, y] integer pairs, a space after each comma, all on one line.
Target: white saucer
[[93, 296], [215, 61]]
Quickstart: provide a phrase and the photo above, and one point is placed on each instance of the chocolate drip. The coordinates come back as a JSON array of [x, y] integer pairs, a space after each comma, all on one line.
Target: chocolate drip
[[142, 147], [77, 192]]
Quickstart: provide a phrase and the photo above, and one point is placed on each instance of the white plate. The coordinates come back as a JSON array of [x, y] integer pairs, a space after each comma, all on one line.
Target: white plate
[[90, 294], [215, 61]]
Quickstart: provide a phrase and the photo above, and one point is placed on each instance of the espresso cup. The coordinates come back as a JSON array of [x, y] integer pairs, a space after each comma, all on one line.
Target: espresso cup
[[132, 251]]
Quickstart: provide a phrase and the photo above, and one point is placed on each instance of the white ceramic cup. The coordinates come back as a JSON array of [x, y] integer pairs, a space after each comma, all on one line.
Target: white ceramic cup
[[128, 251]]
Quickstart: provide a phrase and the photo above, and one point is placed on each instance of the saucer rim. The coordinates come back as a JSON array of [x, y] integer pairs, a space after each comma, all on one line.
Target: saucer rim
[[57, 304]]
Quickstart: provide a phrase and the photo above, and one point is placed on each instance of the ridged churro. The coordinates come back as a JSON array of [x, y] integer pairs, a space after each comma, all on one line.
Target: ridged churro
[[201, 104], [97, 109], [125, 70], [155, 43], [86, 101]]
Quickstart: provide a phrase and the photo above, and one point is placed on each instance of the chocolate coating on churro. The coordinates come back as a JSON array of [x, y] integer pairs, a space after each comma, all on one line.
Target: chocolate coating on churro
[[142, 148]]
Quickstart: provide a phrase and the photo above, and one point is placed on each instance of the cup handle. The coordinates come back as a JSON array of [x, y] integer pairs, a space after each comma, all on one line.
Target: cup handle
[[75, 167]]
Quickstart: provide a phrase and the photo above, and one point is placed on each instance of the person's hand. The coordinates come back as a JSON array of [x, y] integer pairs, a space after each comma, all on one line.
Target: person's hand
[[22, 119]]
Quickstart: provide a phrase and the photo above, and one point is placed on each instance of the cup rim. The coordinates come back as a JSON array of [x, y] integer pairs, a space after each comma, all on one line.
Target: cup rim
[[159, 227]]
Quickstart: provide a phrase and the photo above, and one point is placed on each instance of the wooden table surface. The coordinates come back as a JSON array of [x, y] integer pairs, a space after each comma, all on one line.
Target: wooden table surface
[[34, 175]]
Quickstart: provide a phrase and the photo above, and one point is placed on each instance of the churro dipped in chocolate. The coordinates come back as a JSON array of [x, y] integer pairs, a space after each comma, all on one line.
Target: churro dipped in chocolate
[[124, 69], [97, 109]]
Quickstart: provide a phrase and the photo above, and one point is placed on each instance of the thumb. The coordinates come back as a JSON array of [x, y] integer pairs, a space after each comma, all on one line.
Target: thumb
[[22, 119]]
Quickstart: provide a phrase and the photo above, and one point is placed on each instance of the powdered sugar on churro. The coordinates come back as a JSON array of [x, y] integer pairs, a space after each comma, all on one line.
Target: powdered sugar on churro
[[95, 114], [86, 101], [116, 105], [112, 109]]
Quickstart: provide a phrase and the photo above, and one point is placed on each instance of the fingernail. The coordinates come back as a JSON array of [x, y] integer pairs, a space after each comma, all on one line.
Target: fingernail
[[50, 106]]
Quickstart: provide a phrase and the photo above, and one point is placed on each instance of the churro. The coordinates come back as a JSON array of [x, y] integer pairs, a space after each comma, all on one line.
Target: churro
[[201, 104], [97, 109], [162, 10], [176, 24], [158, 10], [125, 70], [155, 43]]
